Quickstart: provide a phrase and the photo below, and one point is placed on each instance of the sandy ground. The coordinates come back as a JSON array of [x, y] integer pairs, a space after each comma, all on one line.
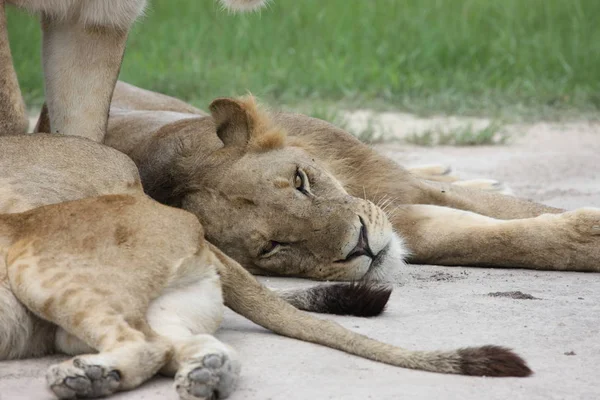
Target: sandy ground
[[557, 332]]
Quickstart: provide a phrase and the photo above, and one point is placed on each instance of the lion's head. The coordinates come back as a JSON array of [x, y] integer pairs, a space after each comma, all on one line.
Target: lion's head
[[265, 200]]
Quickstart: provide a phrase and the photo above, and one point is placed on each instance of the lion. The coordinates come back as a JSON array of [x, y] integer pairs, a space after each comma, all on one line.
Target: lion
[[130, 287], [302, 200], [82, 52], [92, 267]]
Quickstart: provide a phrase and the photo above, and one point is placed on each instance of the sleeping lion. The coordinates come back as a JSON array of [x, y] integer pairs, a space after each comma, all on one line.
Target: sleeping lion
[[301, 199], [286, 194], [92, 267]]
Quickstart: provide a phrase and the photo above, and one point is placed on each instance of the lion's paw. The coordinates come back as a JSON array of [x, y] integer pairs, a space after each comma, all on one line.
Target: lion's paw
[[584, 221], [77, 378], [213, 376], [582, 234], [431, 169]]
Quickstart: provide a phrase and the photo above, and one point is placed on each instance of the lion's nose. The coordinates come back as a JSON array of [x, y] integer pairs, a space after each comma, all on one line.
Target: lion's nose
[[362, 246]]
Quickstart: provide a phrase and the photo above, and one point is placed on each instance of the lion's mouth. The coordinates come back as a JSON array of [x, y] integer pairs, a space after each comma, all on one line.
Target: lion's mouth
[[362, 247], [378, 260]]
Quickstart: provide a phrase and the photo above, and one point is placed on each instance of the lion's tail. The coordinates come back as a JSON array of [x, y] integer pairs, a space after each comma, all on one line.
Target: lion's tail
[[246, 296], [362, 298]]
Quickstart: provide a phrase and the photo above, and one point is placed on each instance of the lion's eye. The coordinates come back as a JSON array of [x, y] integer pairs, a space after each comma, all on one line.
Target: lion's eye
[[270, 248], [301, 181]]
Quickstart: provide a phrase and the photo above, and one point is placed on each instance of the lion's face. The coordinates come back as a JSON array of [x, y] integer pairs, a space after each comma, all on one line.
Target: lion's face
[[278, 211]]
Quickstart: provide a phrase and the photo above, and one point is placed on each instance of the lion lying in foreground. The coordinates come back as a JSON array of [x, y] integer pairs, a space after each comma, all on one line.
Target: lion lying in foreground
[[285, 194], [92, 267]]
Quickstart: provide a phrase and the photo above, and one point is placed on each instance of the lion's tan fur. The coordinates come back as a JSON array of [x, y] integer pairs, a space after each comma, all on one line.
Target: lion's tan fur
[[251, 167], [87, 39], [101, 268], [440, 222], [82, 50], [90, 263], [90, 266], [94, 265], [13, 117]]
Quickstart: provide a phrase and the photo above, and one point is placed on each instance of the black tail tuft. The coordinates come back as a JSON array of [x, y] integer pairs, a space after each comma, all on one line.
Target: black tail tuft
[[492, 361], [362, 299]]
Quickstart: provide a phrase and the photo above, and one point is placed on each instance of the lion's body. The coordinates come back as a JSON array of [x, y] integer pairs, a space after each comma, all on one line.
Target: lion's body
[[336, 214], [80, 276], [90, 266], [440, 222]]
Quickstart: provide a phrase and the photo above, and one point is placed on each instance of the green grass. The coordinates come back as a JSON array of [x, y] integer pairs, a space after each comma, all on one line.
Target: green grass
[[537, 58], [372, 132], [465, 135]]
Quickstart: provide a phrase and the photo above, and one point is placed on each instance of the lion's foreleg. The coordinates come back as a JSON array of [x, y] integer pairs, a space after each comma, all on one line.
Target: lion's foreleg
[[81, 60], [491, 204], [13, 118], [446, 236]]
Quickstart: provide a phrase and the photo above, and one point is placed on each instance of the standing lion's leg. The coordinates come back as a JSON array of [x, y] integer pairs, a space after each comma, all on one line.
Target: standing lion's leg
[[81, 65], [445, 236], [82, 56], [13, 118]]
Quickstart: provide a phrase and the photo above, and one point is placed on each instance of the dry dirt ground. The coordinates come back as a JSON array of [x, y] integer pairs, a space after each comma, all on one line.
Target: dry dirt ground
[[551, 318]]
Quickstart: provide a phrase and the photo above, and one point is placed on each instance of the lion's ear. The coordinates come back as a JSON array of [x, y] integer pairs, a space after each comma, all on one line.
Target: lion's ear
[[233, 120]]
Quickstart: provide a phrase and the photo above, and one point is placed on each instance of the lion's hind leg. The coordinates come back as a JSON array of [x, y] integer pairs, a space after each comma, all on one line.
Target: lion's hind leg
[[22, 335], [203, 366], [206, 368], [111, 322]]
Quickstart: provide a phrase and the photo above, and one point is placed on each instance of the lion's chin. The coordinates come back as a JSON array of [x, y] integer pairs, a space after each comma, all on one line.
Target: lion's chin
[[387, 265]]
